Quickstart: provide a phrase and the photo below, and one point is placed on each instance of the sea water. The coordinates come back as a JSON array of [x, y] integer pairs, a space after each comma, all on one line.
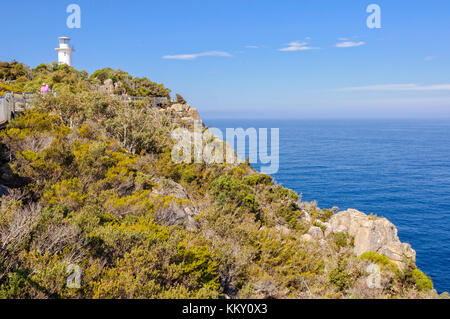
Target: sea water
[[398, 169]]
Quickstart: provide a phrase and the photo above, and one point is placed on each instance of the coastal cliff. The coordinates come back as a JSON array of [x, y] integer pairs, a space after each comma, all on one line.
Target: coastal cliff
[[88, 183]]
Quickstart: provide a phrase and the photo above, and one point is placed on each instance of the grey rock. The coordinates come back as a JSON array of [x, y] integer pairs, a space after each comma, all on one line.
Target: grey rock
[[371, 234], [306, 218], [179, 107], [315, 232], [167, 187], [283, 229], [176, 212], [107, 87], [193, 113]]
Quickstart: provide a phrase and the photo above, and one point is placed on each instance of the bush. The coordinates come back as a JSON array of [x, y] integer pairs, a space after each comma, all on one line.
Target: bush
[[325, 214], [156, 263], [258, 179], [180, 99], [422, 281], [341, 239], [340, 277], [228, 189], [10, 71], [8, 88]]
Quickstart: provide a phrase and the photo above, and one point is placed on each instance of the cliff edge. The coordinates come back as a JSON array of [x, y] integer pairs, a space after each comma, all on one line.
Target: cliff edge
[[93, 191]]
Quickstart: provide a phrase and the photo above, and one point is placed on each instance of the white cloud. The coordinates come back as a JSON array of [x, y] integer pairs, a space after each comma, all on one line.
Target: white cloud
[[197, 55], [252, 46], [297, 46], [429, 58], [349, 44], [398, 87]]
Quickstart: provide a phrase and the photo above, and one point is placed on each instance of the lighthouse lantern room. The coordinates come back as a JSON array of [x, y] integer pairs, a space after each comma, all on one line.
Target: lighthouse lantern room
[[64, 51]]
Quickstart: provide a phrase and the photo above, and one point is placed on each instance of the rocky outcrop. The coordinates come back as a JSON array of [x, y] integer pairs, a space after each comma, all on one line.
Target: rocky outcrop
[[167, 187], [193, 113], [178, 211], [305, 217], [314, 233], [107, 87], [185, 111], [177, 214], [371, 234]]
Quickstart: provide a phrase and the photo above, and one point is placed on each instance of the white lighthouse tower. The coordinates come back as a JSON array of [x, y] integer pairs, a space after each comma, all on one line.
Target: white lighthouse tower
[[64, 51]]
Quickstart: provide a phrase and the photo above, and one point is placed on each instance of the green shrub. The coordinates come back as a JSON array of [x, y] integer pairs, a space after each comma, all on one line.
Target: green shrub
[[325, 214], [180, 99], [340, 277], [229, 189], [7, 88], [285, 193], [381, 260], [341, 239], [422, 281], [290, 214], [258, 179], [15, 286]]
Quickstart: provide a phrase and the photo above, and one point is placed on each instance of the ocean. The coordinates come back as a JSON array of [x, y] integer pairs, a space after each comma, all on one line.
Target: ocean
[[398, 169]]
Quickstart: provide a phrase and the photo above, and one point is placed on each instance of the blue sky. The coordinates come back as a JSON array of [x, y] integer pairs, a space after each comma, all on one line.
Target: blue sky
[[224, 57]]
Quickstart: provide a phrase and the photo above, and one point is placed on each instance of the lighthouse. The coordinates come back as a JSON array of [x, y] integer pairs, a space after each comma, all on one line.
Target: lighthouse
[[64, 51]]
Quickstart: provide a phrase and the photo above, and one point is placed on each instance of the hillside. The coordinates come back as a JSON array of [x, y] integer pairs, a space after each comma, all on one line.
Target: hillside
[[88, 181]]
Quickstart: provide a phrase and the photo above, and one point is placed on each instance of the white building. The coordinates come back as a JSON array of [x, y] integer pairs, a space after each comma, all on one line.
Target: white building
[[64, 51]]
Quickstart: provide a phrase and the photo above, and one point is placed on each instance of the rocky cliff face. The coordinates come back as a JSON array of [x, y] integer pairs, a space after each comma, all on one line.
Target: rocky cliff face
[[185, 111], [177, 212], [371, 234]]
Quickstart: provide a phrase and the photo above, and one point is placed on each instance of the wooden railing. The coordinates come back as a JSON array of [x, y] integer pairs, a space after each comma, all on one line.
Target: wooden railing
[[11, 103]]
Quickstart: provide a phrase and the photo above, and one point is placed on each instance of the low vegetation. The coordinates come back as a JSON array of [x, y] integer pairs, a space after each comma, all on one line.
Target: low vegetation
[[95, 178]]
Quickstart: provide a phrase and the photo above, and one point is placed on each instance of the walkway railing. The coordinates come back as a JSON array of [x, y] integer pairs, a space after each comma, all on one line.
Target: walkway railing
[[159, 100], [12, 102]]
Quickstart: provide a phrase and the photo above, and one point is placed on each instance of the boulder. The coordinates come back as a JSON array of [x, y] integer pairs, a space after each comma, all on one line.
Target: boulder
[[107, 87], [306, 218], [315, 232], [267, 288], [177, 107], [177, 212], [167, 187], [371, 234], [283, 229], [185, 111], [324, 244]]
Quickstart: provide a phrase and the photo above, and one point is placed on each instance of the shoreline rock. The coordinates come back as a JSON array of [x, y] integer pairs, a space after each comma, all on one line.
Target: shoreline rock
[[374, 234]]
